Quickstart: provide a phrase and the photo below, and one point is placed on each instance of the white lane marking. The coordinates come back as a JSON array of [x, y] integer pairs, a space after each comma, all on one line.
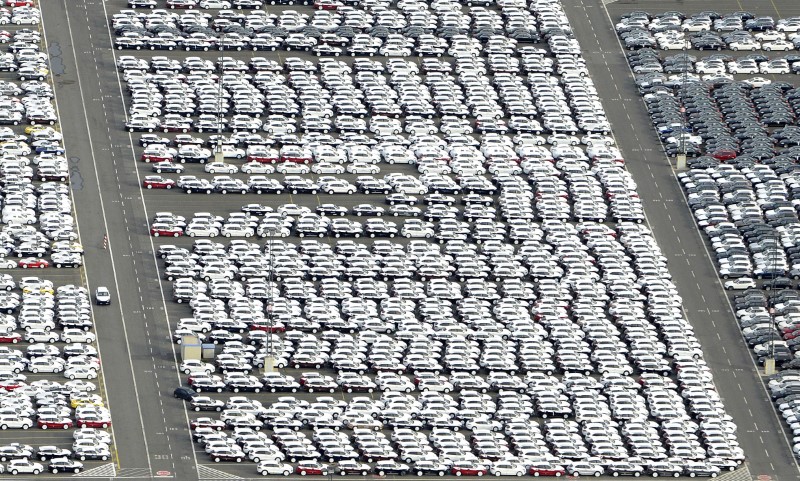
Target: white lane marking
[[147, 220]]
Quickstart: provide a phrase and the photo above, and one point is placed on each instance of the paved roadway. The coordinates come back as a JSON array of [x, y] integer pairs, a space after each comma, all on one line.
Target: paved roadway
[[138, 359], [706, 304]]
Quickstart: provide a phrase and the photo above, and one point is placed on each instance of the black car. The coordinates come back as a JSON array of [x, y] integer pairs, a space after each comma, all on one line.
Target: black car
[[64, 465], [184, 393], [256, 209], [331, 209], [49, 452], [778, 283], [167, 168]]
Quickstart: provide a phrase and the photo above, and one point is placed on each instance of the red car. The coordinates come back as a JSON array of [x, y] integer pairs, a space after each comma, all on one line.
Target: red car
[[10, 337], [45, 423], [11, 385], [160, 157], [94, 423], [157, 182], [33, 262], [311, 467], [468, 469], [295, 155], [263, 326], [724, 154], [263, 157], [157, 231], [19, 3], [546, 470]]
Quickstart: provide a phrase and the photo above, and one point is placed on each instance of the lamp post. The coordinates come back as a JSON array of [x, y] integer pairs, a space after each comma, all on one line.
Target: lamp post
[[680, 159], [269, 360]]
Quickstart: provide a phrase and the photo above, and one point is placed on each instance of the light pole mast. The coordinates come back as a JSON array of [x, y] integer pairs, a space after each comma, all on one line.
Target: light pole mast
[[680, 159], [269, 360]]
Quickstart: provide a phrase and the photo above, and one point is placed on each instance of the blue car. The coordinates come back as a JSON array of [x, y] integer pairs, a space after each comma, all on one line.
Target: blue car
[[50, 149]]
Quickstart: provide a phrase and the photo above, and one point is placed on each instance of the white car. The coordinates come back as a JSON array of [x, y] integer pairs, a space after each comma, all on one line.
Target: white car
[[715, 68], [745, 45], [236, 230], [201, 230], [757, 81], [12, 421], [228, 151], [327, 168], [80, 372], [257, 168], [273, 466], [743, 67], [770, 36], [214, 4], [221, 168], [71, 335], [417, 230], [779, 44], [671, 44], [337, 187], [775, 67], [24, 466], [508, 468], [46, 364], [363, 168], [740, 283], [40, 335], [192, 365], [292, 168]]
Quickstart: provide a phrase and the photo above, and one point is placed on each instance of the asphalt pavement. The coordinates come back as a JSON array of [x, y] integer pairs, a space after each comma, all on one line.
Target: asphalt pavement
[[138, 357]]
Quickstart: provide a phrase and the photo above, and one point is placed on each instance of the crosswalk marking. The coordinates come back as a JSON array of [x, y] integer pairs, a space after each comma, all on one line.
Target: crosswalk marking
[[104, 471], [134, 473], [741, 474], [204, 472]]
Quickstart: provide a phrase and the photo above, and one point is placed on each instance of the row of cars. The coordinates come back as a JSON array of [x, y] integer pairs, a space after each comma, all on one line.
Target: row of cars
[[38, 227], [167, 100], [716, 66], [311, 434], [708, 31], [416, 28]]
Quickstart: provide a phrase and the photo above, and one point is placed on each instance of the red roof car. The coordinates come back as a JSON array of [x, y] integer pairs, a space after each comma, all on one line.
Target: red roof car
[[40, 263], [468, 469], [724, 154], [157, 182], [10, 337], [546, 470], [157, 231], [47, 423]]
